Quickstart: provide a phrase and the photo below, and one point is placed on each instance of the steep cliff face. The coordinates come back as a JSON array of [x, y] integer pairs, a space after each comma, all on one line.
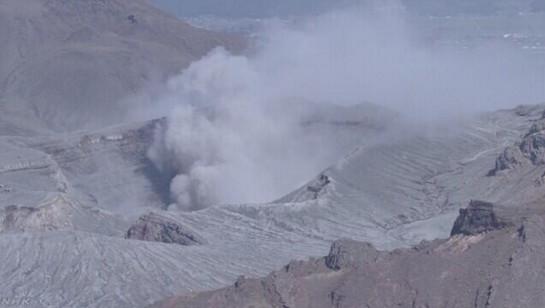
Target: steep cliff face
[[477, 218], [530, 150]]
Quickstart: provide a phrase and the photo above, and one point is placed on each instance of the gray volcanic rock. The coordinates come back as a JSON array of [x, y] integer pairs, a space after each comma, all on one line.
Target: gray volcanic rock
[[533, 146], [500, 268], [63, 245], [510, 158], [59, 213], [153, 227], [530, 150], [392, 194], [477, 218], [106, 169], [118, 154], [349, 253], [100, 52]]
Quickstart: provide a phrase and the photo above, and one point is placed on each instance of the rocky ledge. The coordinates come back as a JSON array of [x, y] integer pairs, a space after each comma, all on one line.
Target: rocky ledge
[[153, 227], [529, 151], [348, 253], [477, 218]]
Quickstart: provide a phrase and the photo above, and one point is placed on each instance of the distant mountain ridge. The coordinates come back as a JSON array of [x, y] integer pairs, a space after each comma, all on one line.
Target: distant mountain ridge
[[264, 9], [66, 65]]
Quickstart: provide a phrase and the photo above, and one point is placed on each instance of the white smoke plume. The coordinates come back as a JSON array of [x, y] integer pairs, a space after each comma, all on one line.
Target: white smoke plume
[[229, 140], [234, 132]]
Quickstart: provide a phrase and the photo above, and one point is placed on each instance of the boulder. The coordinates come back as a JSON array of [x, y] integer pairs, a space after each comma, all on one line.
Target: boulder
[[349, 253], [478, 217], [153, 227]]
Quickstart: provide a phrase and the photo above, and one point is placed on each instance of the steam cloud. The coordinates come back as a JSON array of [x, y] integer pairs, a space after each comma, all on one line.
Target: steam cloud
[[234, 130]]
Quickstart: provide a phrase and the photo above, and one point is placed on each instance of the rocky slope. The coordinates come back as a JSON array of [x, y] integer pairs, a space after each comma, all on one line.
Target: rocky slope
[[408, 209], [68, 65], [83, 214], [59, 213], [493, 265], [107, 169], [82, 222], [392, 194]]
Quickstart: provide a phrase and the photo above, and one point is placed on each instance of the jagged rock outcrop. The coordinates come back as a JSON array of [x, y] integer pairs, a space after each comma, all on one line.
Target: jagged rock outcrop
[[318, 185], [153, 227], [477, 218], [533, 145], [500, 268], [510, 158], [348, 253], [529, 151]]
